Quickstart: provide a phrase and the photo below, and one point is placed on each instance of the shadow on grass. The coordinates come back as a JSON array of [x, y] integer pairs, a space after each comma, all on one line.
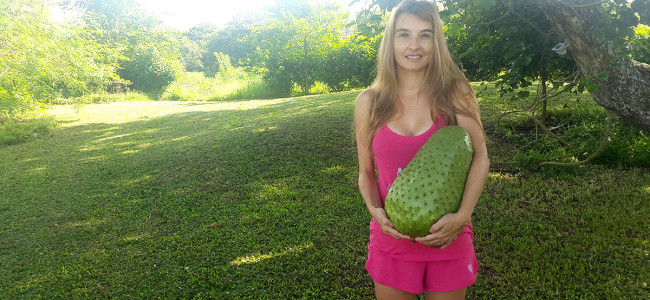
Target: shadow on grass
[[214, 203], [260, 201]]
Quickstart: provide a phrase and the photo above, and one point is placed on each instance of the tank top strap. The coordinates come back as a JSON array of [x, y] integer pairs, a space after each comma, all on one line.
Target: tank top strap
[[440, 121]]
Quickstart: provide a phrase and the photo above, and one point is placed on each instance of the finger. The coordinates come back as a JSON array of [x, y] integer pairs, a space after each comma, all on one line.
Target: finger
[[394, 233], [432, 240], [388, 223], [424, 239], [436, 227], [401, 236], [427, 239], [447, 244]]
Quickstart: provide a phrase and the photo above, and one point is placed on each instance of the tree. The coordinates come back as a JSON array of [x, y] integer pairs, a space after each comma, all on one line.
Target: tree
[[191, 54], [193, 46], [320, 46], [151, 62], [43, 60], [230, 41], [297, 8], [595, 32], [381, 4], [201, 33], [147, 53], [489, 47], [287, 46]]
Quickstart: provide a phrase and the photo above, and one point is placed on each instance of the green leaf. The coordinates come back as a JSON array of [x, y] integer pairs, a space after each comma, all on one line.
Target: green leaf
[[592, 88], [523, 94], [604, 76], [484, 4]]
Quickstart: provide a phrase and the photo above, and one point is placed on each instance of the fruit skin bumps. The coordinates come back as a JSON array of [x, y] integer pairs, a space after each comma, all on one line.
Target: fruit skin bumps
[[432, 184]]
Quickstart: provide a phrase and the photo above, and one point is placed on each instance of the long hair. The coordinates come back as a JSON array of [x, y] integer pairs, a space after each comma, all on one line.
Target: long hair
[[444, 82]]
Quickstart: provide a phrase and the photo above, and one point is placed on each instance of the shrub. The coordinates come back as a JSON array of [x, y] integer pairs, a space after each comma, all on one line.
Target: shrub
[[222, 66], [320, 87], [238, 83], [104, 97], [17, 130], [640, 44], [151, 64], [582, 125]]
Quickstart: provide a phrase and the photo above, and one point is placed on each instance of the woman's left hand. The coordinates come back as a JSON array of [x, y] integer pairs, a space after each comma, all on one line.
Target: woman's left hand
[[445, 231]]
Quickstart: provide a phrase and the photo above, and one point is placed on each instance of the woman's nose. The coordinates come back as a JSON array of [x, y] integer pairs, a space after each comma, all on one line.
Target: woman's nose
[[413, 44]]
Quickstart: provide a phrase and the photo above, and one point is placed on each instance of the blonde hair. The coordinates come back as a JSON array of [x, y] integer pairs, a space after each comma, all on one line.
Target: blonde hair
[[443, 82]]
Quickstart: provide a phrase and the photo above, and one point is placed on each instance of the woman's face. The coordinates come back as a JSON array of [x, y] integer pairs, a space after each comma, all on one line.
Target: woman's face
[[413, 44]]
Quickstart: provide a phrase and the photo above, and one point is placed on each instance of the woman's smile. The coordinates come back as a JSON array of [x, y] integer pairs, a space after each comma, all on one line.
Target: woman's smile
[[413, 57]]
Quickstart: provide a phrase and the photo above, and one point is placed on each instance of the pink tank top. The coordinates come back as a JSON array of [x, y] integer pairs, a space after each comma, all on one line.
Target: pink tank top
[[392, 153]]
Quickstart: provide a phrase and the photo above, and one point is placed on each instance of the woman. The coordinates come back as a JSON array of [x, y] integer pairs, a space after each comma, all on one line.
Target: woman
[[418, 89]]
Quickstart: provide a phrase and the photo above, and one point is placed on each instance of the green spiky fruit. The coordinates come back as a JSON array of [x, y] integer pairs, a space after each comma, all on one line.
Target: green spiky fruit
[[432, 184]]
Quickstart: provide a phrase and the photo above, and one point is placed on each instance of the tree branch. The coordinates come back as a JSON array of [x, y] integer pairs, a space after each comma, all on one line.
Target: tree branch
[[643, 68], [499, 18], [540, 124], [538, 100], [600, 149], [582, 5], [535, 27]]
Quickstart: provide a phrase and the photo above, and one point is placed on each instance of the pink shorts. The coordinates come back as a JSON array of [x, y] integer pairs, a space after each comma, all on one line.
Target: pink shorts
[[418, 276]]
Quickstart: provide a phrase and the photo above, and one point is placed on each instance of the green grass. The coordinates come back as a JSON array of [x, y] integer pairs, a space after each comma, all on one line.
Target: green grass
[[258, 200], [236, 84], [575, 118]]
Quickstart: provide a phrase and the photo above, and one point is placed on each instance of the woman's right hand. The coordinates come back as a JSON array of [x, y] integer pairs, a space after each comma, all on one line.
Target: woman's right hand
[[380, 216]]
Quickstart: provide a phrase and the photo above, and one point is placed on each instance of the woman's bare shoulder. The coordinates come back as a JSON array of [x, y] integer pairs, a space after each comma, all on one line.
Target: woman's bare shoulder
[[463, 95], [363, 100], [463, 89], [365, 96]]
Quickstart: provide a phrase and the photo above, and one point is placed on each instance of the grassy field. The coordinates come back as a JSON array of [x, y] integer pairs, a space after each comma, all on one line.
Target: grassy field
[[235, 84], [258, 199]]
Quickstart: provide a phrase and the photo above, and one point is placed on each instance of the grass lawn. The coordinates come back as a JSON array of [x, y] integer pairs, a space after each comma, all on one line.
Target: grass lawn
[[258, 200]]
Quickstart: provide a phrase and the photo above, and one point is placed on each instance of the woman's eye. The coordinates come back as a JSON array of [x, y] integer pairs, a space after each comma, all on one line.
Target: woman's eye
[[425, 36], [403, 35]]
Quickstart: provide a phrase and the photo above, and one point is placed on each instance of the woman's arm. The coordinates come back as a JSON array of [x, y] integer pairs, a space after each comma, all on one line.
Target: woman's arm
[[478, 169], [367, 177], [448, 228]]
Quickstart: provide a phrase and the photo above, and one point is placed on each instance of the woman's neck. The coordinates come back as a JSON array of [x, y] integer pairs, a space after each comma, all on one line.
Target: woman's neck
[[409, 84]]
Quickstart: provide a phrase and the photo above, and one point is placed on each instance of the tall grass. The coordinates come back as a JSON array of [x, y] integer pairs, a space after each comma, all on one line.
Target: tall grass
[[105, 97], [235, 84], [17, 130], [22, 121]]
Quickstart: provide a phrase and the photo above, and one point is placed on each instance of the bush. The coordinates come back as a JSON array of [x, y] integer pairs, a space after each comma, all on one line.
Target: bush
[[151, 66], [222, 65], [237, 83], [320, 88], [14, 130], [581, 124], [104, 97], [640, 44]]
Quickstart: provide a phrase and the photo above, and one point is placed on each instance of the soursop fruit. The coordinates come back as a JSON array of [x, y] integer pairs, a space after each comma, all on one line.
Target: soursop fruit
[[432, 184]]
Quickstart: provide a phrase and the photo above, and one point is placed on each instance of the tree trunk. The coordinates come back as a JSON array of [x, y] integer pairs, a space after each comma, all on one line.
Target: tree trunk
[[305, 86], [627, 89], [544, 98]]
